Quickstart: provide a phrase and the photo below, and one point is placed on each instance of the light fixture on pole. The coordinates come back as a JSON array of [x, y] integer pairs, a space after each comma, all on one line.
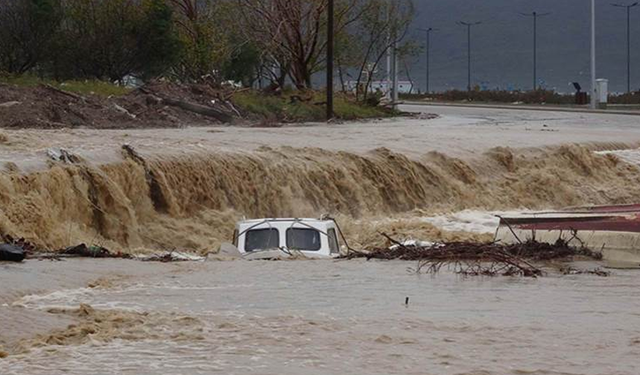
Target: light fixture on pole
[[428, 31], [535, 16], [469, 25], [628, 40]]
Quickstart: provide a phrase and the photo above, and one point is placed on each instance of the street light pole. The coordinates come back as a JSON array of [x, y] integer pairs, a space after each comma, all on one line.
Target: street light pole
[[428, 31], [535, 16], [628, 40], [330, 45], [594, 91], [468, 25]]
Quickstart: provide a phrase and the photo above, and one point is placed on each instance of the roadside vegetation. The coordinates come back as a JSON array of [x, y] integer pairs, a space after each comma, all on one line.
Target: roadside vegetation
[[518, 97], [308, 107], [275, 47], [86, 87]]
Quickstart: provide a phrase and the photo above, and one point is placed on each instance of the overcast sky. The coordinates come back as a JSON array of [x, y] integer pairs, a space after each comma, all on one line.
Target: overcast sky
[[502, 45]]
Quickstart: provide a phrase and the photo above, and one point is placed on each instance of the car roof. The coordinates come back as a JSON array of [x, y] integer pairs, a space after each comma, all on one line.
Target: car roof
[[255, 221]]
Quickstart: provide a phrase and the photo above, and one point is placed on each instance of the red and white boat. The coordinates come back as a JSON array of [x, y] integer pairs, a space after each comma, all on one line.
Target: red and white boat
[[612, 230]]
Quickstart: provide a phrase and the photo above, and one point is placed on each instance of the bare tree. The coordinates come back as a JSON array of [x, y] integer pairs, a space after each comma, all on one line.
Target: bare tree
[[203, 38], [383, 25], [292, 33]]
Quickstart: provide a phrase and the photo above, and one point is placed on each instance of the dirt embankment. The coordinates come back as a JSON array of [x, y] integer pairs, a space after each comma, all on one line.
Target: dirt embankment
[[154, 105], [191, 203]]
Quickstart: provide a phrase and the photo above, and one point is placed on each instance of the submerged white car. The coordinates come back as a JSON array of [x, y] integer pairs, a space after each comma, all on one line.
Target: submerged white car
[[283, 238]]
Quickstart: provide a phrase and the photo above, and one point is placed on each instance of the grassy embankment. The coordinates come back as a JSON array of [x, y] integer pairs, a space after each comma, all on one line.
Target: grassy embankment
[[89, 87], [289, 107]]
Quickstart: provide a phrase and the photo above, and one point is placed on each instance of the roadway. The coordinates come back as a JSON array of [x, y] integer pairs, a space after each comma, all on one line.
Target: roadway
[[458, 131]]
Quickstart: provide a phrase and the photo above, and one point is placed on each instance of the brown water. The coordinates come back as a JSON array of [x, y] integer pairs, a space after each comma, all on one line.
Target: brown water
[[191, 202], [316, 317], [320, 317]]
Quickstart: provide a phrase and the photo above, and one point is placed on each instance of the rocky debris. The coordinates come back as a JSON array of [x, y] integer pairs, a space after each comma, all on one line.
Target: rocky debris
[[84, 251], [11, 253], [22, 243], [63, 156], [15, 250], [158, 104]]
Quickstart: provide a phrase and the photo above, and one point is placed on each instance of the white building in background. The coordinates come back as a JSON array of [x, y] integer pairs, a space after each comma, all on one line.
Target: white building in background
[[404, 87]]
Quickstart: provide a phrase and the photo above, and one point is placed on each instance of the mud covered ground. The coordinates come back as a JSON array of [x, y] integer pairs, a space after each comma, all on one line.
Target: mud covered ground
[[49, 107]]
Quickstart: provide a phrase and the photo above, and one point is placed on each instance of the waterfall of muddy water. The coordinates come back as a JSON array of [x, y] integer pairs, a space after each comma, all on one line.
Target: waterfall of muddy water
[[317, 317], [324, 317], [191, 202]]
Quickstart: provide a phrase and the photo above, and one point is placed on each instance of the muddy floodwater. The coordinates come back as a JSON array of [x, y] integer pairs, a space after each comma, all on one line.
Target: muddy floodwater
[[440, 179], [312, 317]]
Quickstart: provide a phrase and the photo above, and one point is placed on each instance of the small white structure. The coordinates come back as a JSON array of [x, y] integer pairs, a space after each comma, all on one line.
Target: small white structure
[[286, 237], [602, 90]]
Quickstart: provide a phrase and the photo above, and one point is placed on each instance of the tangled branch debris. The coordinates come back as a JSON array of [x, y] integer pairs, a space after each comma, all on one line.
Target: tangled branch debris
[[573, 271], [84, 251], [479, 259]]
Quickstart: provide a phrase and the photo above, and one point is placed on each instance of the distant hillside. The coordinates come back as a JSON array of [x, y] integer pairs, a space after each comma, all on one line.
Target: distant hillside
[[502, 45]]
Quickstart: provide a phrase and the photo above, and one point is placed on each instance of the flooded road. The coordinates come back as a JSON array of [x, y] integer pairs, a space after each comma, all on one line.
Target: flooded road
[[461, 132], [316, 317]]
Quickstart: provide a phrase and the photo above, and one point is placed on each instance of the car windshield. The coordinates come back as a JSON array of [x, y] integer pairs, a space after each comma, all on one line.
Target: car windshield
[[303, 239], [261, 239]]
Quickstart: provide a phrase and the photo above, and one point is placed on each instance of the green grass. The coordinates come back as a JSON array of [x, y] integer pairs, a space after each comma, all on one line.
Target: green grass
[[282, 108], [79, 87]]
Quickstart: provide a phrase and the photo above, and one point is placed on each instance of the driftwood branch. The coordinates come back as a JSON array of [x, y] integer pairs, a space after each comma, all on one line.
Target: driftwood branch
[[62, 92], [190, 107], [199, 109]]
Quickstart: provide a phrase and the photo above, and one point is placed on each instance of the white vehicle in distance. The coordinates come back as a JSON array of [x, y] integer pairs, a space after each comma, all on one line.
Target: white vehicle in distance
[[284, 238]]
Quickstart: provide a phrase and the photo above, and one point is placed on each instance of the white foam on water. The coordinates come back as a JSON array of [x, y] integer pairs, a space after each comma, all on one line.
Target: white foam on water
[[72, 298], [630, 156], [472, 221], [58, 299]]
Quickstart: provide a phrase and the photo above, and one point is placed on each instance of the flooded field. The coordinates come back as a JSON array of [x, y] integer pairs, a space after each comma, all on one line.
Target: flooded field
[[317, 317]]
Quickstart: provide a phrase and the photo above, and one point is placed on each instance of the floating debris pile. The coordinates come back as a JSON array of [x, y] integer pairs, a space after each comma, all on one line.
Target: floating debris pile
[[479, 259], [84, 251]]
